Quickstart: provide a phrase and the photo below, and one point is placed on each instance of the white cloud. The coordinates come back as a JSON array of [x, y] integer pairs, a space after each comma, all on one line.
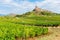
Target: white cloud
[[24, 6], [53, 5], [7, 1]]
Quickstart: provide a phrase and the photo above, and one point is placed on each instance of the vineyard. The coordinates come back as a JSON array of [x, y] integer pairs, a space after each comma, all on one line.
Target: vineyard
[[9, 30], [40, 20], [26, 27], [29, 20]]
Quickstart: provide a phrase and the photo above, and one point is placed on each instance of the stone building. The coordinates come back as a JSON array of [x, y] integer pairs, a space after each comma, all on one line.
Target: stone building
[[37, 9]]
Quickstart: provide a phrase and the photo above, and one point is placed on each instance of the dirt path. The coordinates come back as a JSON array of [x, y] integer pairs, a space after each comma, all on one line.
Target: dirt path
[[55, 35]]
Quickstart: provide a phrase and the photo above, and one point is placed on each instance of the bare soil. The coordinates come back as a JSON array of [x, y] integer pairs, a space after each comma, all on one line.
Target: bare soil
[[55, 34]]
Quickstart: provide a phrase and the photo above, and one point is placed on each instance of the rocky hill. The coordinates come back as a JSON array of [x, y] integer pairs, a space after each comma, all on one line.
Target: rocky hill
[[37, 12]]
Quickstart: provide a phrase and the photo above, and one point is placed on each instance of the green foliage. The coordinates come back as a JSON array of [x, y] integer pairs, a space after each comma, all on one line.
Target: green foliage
[[43, 20], [8, 32], [9, 29], [26, 26]]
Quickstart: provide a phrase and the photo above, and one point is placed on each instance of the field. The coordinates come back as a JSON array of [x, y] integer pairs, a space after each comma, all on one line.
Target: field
[[42, 20], [55, 35], [12, 28]]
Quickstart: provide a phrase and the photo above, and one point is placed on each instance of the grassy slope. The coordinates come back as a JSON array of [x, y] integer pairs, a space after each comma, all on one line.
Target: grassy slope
[[40, 20], [31, 19], [45, 18]]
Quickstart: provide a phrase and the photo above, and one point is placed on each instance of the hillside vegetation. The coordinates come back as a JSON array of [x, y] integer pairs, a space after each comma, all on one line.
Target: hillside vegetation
[[30, 24], [43, 18], [11, 28]]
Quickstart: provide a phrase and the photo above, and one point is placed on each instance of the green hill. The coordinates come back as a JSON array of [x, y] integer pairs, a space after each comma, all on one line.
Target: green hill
[[28, 25], [38, 12], [40, 17]]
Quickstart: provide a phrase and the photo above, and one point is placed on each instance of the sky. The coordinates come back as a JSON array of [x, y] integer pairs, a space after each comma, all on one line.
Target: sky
[[22, 6]]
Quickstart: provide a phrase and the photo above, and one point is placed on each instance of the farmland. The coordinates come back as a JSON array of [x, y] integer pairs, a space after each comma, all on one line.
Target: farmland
[[41, 20], [26, 27], [55, 35], [9, 30], [29, 20]]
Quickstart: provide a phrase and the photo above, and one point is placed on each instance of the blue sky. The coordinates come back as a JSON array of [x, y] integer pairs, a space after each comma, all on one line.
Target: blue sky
[[35, 0], [22, 6]]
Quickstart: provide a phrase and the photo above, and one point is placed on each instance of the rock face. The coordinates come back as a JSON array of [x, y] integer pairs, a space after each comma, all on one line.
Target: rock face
[[37, 9]]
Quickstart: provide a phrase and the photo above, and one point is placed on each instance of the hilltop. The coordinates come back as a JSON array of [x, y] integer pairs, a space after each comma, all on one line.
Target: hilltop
[[29, 25], [38, 12]]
